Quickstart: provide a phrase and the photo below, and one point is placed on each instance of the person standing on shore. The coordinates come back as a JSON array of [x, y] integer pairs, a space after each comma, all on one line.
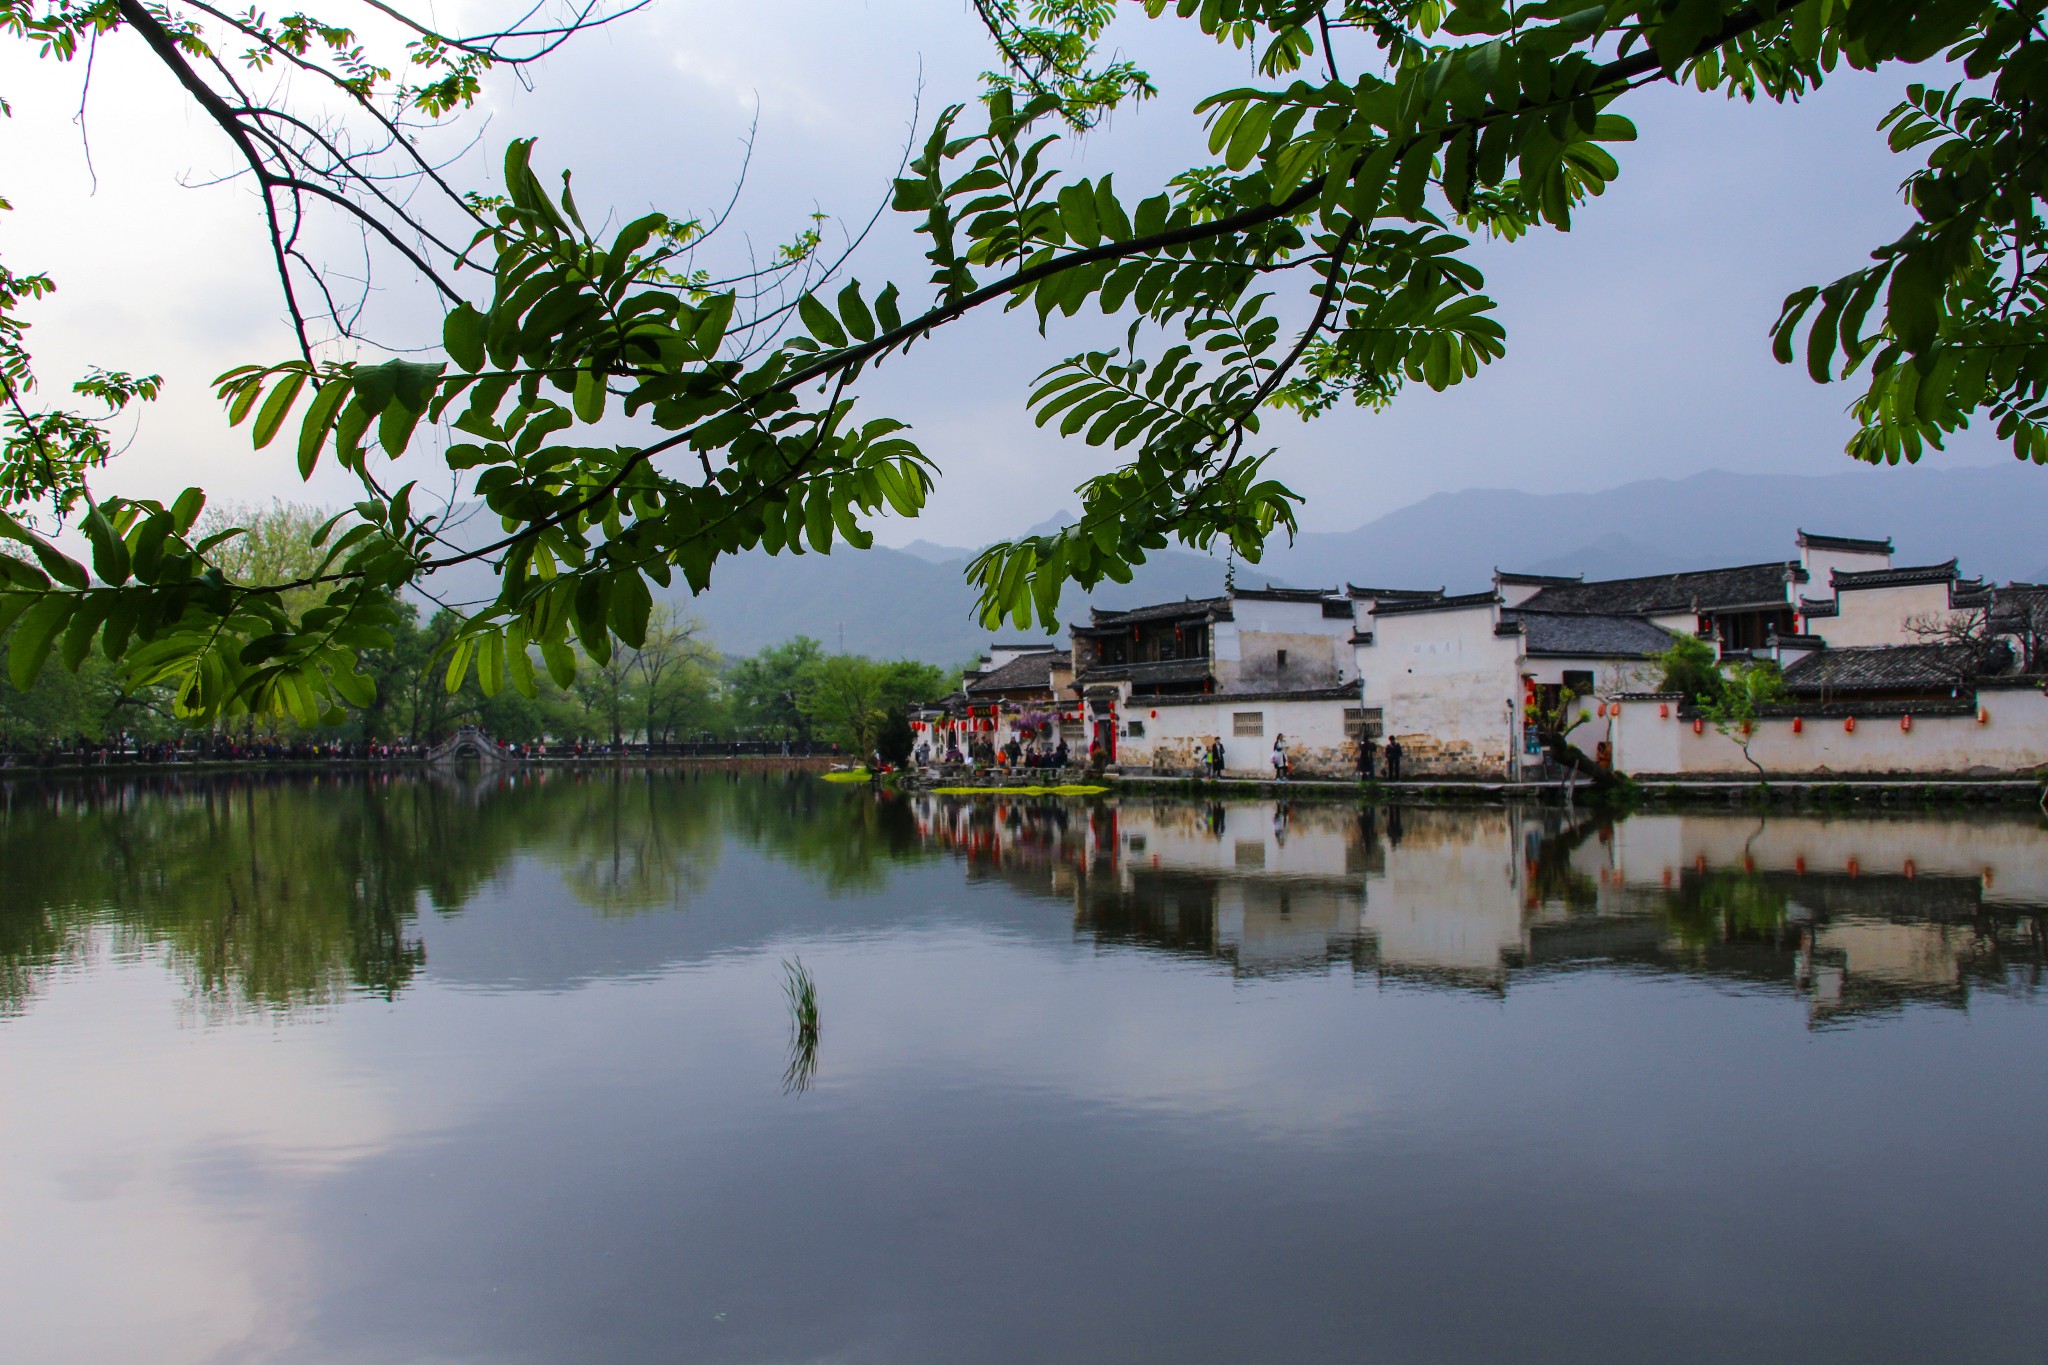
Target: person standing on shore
[[1365, 757], [1393, 760]]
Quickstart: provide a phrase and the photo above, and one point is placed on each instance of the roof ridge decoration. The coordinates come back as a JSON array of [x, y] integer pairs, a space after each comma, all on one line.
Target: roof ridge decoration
[[1354, 591], [1416, 608], [1270, 593], [1810, 540], [1905, 575], [1736, 587], [1535, 580]]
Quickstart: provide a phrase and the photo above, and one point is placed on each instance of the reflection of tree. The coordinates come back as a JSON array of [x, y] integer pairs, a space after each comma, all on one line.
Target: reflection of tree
[[1724, 907], [639, 841], [1552, 878], [275, 893], [845, 836]]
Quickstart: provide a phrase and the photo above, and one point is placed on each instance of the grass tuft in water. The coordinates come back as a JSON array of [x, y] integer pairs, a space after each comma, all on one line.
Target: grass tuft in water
[[802, 993]]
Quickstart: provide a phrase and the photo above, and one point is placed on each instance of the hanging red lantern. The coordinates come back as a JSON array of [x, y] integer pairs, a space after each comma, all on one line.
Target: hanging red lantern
[[1850, 725], [1698, 726], [1798, 725], [1905, 722], [1663, 710]]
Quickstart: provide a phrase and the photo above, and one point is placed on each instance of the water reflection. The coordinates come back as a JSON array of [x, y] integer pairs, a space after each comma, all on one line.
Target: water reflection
[[1138, 1080], [1857, 915], [270, 895]]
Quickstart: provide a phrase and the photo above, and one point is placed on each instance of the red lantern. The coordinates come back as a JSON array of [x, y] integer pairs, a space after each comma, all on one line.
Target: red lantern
[[1905, 722], [1699, 726], [1849, 725], [1663, 710], [1983, 715], [1798, 725]]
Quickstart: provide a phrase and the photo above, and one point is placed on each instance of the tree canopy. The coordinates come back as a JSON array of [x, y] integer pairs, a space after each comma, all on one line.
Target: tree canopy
[[1323, 256]]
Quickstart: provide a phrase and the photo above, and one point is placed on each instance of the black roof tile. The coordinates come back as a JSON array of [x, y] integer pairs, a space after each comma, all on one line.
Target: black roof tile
[[1810, 540], [1217, 608], [1893, 578], [1612, 637], [1414, 606], [1888, 668], [1164, 671], [1744, 585], [1033, 670]]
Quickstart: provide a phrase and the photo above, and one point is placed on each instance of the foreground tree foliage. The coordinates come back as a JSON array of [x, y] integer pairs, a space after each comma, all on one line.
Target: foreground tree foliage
[[1322, 258]]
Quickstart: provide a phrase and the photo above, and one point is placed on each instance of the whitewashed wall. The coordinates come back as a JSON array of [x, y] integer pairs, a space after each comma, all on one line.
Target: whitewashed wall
[[2011, 738], [1246, 648], [1176, 733], [1449, 690], [1878, 616]]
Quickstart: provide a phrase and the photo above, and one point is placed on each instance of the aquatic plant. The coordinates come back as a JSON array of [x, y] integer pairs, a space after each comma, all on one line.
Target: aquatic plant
[[802, 994]]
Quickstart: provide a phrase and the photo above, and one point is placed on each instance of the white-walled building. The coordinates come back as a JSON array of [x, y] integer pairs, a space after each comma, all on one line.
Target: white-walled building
[[1948, 663]]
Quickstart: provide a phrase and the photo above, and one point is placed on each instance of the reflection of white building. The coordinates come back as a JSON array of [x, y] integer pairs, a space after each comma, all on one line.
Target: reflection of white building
[[1857, 914]]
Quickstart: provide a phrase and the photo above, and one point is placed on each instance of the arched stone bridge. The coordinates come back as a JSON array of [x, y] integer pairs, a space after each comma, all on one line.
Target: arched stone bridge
[[470, 742]]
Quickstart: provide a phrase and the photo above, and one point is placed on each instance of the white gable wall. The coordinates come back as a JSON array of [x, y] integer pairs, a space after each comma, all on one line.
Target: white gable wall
[[1819, 563], [1448, 689], [1247, 648], [1880, 616]]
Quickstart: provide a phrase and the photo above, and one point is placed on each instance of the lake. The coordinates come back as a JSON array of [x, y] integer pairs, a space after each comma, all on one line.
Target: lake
[[340, 1069]]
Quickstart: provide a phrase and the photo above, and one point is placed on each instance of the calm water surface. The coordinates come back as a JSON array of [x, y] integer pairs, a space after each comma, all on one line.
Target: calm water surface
[[410, 1071]]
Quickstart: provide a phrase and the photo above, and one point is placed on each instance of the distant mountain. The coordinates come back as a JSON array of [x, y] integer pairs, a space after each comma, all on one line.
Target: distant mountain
[[897, 603], [914, 602], [932, 553], [1992, 517]]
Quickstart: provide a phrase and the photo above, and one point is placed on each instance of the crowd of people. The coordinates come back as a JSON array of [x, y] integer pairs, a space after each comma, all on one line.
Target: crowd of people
[[120, 751], [984, 754]]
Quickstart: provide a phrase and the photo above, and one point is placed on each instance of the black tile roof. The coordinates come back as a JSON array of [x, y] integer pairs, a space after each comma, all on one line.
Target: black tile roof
[[1352, 590], [1819, 606], [1409, 607], [1893, 668], [1347, 692], [1610, 637], [1893, 578], [1164, 671], [1216, 608], [1809, 540], [1744, 585], [1272, 594], [1031, 671], [1537, 580]]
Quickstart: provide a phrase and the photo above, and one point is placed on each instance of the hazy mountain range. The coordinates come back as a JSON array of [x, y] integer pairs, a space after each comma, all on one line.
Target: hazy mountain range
[[913, 602]]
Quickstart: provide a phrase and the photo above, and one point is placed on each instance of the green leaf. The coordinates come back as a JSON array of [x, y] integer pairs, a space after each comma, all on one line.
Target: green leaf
[[1250, 135], [109, 551], [1077, 214], [320, 417], [589, 395], [854, 313], [395, 426], [462, 335], [818, 320], [85, 623], [560, 660], [276, 408], [33, 636]]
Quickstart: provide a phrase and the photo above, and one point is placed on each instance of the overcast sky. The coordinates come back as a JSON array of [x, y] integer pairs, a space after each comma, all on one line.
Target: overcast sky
[[1637, 343]]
